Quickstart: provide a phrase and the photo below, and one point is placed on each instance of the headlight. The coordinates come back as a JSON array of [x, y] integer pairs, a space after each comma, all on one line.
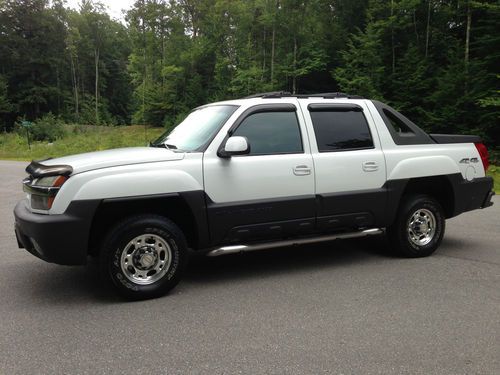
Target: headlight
[[43, 190]]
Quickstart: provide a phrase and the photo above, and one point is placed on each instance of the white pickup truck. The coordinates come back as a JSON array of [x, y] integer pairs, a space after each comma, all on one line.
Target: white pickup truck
[[255, 173]]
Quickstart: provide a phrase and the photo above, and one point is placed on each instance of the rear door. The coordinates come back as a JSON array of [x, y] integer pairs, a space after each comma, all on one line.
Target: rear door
[[268, 193], [349, 164]]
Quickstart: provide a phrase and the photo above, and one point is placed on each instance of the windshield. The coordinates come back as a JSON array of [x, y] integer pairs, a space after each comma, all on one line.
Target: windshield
[[197, 130]]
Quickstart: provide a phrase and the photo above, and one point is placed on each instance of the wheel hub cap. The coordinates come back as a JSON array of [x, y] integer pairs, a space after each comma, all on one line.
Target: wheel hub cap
[[146, 259], [421, 227]]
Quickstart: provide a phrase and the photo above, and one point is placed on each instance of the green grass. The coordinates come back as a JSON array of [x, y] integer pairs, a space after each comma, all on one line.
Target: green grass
[[494, 171], [78, 139]]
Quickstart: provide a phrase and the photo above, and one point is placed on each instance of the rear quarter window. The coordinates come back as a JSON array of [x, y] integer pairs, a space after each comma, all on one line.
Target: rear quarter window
[[402, 130]]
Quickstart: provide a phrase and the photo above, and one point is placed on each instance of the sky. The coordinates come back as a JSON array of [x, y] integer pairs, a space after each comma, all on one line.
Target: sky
[[114, 7]]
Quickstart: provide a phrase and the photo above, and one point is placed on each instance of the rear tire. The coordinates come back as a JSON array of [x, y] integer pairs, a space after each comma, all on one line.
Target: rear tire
[[143, 256], [419, 226]]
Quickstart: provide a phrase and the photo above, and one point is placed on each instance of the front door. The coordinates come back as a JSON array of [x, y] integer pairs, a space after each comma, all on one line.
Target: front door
[[268, 193]]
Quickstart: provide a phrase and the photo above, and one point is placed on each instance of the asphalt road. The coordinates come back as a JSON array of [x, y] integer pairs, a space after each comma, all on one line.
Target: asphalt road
[[346, 307]]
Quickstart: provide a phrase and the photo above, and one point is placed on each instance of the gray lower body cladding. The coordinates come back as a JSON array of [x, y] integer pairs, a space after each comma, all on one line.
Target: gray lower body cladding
[[61, 239], [471, 195], [64, 239]]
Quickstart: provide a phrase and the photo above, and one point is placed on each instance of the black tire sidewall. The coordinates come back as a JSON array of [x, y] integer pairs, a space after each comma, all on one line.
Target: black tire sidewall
[[399, 235], [120, 236]]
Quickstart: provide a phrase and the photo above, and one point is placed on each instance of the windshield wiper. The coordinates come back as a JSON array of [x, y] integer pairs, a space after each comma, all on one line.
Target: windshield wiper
[[168, 146]]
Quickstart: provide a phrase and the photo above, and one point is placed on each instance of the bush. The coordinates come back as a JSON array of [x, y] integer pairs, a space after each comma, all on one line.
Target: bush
[[47, 128], [494, 156]]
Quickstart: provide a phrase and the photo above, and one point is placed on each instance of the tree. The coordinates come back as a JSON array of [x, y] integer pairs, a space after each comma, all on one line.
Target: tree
[[437, 61], [32, 38], [363, 71], [5, 105]]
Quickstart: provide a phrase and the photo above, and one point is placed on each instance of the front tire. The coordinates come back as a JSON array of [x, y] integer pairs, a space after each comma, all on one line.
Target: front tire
[[419, 227], [144, 256]]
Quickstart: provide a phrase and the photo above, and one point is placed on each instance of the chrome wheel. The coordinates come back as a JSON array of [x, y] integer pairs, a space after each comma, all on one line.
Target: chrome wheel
[[421, 227], [146, 259]]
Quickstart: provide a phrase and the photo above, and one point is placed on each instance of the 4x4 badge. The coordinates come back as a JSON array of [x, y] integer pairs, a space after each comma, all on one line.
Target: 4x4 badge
[[469, 160]]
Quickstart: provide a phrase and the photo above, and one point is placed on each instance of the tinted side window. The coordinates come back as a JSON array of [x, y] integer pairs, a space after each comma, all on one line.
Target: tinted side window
[[399, 126], [403, 131], [271, 133], [337, 130]]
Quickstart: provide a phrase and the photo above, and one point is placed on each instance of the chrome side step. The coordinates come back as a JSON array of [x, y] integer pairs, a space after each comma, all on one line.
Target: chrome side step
[[299, 241]]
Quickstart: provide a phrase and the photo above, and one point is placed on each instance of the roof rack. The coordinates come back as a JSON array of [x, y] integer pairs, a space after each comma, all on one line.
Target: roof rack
[[268, 95], [332, 95], [281, 94]]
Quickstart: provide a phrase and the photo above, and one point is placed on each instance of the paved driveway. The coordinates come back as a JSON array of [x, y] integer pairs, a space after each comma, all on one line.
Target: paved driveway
[[343, 307]]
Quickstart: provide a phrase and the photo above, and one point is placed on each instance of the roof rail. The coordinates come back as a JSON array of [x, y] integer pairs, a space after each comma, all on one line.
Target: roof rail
[[272, 94], [332, 95], [280, 94]]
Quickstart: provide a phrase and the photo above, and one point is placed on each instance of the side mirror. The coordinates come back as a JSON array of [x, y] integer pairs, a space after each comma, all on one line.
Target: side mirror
[[235, 146]]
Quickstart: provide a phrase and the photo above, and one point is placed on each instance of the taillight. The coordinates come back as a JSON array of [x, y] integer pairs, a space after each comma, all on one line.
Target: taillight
[[483, 152]]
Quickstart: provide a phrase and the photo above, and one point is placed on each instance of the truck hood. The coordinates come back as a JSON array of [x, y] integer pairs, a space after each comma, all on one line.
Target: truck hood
[[114, 158]]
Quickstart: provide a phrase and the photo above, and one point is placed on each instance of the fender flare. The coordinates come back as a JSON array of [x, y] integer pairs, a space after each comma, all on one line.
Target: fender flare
[[423, 166]]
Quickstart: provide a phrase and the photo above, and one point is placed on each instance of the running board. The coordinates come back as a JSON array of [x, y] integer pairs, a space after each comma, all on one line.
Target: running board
[[300, 241]]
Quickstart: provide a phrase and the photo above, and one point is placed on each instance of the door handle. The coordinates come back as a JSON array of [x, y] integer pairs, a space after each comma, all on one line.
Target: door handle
[[370, 166], [302, 170]]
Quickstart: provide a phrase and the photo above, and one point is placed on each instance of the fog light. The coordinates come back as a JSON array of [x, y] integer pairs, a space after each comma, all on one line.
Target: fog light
[[40, 202]]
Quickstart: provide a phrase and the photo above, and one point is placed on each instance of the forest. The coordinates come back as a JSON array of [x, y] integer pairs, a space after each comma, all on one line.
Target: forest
[[437, 61]]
